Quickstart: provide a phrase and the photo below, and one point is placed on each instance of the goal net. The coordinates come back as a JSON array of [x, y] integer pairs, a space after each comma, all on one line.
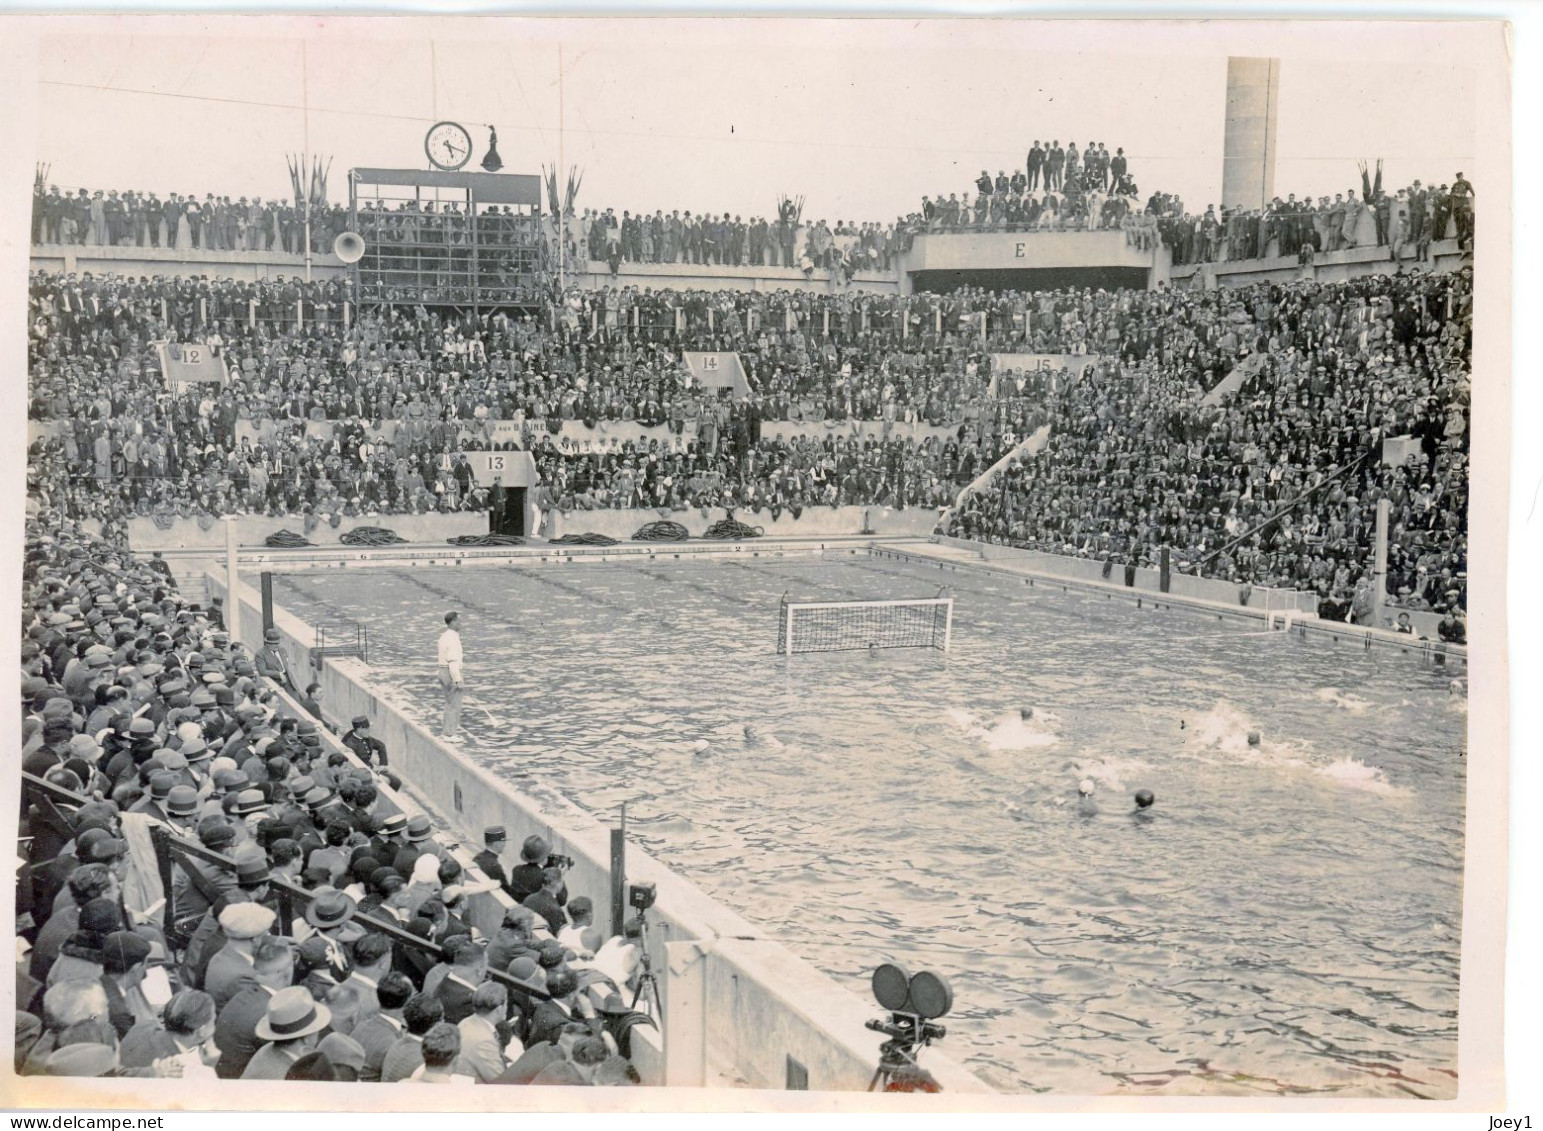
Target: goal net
[[834, 626], [1280, 605]]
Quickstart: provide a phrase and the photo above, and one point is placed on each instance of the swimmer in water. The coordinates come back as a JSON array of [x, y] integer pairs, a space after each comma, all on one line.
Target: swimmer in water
[[700, 748], [1025, 714], [1253, 740], [754, 737], [1086, 807], [1143, 809], [873, 651]]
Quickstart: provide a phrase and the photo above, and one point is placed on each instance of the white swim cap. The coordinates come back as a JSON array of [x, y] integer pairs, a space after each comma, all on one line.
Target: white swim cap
[[1085, 786]]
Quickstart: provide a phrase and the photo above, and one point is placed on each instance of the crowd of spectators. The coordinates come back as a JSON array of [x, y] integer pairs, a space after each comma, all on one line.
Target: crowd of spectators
[[1058, 189], [439, 252], [326, 421], [1138, 458], [729, 240], [1406, 222], [318, 932], [327, 417], [98, 218]]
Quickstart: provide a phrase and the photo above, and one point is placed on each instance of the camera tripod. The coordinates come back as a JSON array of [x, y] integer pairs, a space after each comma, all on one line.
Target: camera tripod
[[899, 1071], [648, 982]]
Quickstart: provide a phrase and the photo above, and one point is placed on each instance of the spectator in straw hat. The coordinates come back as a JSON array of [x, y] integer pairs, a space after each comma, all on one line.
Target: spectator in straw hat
[[292, 1025]]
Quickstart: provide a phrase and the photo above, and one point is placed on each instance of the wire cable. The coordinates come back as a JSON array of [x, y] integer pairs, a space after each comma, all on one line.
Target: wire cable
[[486, 540], [585, 539], [662, 531], [372, 536], [731, 529]]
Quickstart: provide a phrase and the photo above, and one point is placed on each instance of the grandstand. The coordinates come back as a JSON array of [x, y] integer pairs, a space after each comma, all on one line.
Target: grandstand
[[1262, 412]]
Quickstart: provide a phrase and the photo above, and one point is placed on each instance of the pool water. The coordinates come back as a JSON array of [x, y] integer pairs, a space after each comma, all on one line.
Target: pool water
[[1284, 920]]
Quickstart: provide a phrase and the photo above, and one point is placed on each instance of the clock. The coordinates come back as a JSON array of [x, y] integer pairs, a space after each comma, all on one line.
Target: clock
[[447, 145]]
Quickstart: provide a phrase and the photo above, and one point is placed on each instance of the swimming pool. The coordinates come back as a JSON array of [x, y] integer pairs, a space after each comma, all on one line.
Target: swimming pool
[[1286, 920]]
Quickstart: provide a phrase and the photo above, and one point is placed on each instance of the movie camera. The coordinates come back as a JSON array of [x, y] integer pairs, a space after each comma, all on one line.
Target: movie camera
[[913, 1004]]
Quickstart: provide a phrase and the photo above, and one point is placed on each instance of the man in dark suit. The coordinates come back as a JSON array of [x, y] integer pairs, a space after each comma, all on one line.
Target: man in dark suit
[[187, 1023], [1036, 164], [1417, 218], [1055, 161], [545, 902], [380, 1030], [468, 969], [494, 840], [235, 1030]]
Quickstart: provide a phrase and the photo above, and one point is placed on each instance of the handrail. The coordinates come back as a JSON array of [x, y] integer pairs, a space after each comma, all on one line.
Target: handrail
[[1287, 509]]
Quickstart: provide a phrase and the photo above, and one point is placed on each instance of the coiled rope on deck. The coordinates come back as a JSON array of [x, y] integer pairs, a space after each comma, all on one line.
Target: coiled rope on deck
[[662, 531], [487, 540], [732, 528], [584, 540], [286, 540], [371, 536]]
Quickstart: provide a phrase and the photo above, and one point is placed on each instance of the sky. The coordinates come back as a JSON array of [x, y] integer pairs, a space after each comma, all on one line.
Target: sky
[[860, 117]]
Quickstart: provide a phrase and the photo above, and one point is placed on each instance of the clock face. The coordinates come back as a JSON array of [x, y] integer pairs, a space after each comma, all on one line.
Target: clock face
[[448, 145]]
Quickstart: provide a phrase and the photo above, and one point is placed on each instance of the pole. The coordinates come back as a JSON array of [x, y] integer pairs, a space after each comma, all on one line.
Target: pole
[[232, 593], [1285, 510], [1380, 569], [619, 874], [305, 101], [562, 205], [1165, 570], [267, 580]]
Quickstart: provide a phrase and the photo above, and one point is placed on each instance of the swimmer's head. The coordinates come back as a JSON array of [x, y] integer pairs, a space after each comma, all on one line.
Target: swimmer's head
[[1085, 787], [700, 744], [1144, 799], [750, 734], [1025, 713], [1253, 738]]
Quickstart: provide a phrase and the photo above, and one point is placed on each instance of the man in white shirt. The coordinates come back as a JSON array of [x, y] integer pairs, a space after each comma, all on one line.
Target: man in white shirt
[[450, 673]]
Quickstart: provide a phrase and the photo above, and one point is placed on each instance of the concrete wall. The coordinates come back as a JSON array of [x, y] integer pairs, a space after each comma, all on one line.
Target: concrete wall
[[247, 266], [713, 277], [745, 1003], [815, 522], [995, 251], [1327, 267], [186, 534], [254, 265], [436, 529]]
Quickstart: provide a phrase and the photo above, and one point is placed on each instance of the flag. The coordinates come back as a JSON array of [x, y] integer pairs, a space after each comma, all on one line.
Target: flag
[[184, 363]]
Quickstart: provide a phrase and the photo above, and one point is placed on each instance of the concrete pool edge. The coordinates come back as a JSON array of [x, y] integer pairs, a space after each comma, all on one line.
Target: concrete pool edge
[[1205, 595], [764, 1014]]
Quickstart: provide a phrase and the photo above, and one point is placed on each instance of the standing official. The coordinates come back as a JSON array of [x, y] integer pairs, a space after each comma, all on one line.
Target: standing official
[[450, 673]]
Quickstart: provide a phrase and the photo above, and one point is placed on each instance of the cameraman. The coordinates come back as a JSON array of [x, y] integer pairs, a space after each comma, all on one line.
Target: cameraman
[[529, 877]]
